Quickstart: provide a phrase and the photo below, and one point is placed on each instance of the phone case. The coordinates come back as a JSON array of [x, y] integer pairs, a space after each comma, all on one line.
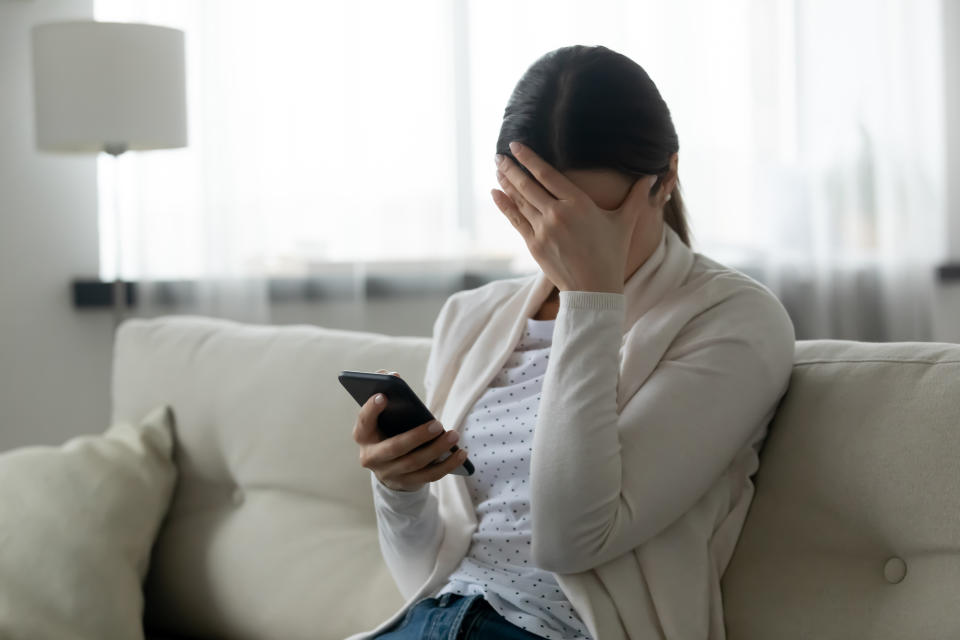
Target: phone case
[[404, 409]]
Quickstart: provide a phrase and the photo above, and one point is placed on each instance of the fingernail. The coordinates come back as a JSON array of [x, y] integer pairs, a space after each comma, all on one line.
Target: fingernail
[[515, 147], [379, 398], [452, 436], [497, 159], [435, 427]]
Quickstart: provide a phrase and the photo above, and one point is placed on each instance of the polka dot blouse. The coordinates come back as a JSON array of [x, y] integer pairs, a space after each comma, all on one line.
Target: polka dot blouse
[[498, 432]]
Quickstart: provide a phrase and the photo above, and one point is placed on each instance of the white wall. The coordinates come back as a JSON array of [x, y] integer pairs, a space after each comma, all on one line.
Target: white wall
[[53, 361]]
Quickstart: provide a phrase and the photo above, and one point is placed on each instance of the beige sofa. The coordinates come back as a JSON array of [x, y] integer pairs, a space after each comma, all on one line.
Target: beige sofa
[[854, 531]]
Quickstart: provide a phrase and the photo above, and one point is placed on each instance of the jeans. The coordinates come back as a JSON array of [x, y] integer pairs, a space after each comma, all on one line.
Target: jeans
[[454, 617]]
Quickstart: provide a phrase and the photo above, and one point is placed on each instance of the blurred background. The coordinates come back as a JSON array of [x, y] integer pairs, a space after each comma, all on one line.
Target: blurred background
[[340, 158]]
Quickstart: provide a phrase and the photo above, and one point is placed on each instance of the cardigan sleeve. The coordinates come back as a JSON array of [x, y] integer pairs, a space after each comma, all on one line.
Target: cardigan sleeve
[[603, 482], [409, 529], [409, 526]]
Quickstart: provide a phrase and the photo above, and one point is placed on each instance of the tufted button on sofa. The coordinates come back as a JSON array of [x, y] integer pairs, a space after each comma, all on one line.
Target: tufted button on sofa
[[854, 531], [895, 570]]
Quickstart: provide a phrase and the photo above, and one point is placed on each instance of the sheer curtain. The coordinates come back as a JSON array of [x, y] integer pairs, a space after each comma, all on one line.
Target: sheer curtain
[[319, 142], [350, 132]]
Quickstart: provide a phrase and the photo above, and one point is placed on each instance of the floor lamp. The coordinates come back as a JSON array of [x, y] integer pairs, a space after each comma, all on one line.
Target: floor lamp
[[109, 87]]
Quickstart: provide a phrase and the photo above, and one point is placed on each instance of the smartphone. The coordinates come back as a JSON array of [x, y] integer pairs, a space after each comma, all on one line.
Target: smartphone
[[404, 409]]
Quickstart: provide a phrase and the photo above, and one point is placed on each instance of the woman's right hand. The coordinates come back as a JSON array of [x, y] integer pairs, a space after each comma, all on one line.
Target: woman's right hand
[[398, 462]]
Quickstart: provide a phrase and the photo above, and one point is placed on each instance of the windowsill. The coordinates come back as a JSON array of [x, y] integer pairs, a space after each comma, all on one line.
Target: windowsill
[[93, 293]]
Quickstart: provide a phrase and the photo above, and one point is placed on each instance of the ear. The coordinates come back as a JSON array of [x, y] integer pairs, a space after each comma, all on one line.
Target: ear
[[640, 193], [670, 177]]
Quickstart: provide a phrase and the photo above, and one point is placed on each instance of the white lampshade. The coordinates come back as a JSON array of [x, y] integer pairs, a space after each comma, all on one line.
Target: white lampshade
[[109, 85]]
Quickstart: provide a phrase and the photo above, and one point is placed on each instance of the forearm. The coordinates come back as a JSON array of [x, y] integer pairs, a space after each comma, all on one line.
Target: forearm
[[576, 461], [606, 474]]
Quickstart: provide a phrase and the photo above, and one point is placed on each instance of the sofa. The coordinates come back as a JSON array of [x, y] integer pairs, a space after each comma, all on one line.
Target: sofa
[[854, 531]]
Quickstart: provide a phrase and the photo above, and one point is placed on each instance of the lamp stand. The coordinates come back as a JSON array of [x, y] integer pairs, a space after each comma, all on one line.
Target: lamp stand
[[119, 290]]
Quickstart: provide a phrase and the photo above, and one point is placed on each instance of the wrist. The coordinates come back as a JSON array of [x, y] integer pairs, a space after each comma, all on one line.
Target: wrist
[[397, 492]]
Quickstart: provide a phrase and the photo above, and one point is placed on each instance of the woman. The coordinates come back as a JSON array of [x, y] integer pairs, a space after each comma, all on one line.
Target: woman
[[613, 404]]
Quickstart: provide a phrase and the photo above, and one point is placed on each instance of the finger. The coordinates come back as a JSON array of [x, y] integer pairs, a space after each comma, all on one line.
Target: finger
[[420, 458], [524, 184], [507, 208], [639, 196], [402, 443], [521, 204], [393, 373], [365, 428], [554, 181], [434, 472]]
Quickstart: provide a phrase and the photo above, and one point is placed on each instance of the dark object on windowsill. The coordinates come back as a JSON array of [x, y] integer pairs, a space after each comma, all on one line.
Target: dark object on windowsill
[[949, 272], [99, 293]]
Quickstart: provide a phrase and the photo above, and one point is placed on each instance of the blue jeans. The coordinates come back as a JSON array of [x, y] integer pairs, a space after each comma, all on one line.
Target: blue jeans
[[454, 617]]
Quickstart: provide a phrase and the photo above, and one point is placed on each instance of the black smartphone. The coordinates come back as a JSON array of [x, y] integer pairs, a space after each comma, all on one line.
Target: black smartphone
[[404, 409]]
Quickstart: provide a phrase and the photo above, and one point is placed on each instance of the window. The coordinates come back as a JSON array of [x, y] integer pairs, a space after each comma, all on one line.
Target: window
[[349, 131]]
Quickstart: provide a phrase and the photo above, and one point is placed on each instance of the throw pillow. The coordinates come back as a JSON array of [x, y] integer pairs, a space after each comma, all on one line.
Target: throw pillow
[[76, 526]]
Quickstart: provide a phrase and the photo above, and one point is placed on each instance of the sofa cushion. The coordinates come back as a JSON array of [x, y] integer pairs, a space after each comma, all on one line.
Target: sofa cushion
[[272, 531], [854, 531], [76, 526]]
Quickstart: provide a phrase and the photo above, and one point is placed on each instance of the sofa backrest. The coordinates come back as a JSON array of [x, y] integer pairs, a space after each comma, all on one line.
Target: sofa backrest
[[271, 532], [853, 533], [854, 530]]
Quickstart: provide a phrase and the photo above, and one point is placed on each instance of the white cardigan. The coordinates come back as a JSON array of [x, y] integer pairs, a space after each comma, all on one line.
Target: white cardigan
[[652, 413]]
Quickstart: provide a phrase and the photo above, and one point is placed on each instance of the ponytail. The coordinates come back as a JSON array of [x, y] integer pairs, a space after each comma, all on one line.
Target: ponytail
[[674, 214]]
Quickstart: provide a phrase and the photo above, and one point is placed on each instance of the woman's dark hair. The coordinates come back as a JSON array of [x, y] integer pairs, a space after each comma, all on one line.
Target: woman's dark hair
[[585, 107]]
